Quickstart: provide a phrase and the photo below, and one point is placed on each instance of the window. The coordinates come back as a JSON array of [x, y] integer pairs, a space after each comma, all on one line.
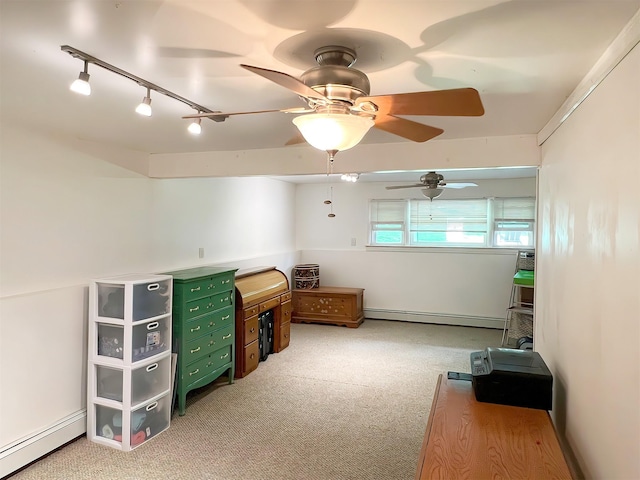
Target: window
[[387, 222], [494, 222], [513, 224]]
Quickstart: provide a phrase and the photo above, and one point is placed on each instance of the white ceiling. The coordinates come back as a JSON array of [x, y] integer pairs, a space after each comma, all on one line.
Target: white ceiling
[[524, 57]]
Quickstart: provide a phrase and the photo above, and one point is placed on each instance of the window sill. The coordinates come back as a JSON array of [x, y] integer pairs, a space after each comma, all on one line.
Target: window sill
[[461, 250]]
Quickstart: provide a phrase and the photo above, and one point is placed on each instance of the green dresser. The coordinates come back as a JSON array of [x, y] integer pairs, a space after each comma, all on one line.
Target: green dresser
[[203, 327]]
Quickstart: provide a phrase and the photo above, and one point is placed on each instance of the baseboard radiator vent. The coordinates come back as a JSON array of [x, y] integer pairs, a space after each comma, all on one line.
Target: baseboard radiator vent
[[18, 454], [437, 318]]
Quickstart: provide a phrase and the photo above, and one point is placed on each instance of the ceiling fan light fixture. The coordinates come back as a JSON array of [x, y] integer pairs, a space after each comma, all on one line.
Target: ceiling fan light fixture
[[144, 108], [333, 131], [81, 84], [350, 177], [194, 127], [432, 193]]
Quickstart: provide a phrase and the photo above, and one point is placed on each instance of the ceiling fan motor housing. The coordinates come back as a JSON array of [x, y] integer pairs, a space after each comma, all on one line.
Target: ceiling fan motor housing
[[337, 82], [432, 180]]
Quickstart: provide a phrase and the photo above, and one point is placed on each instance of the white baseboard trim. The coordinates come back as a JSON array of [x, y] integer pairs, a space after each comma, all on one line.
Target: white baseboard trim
[[437, 318], [18, 454]]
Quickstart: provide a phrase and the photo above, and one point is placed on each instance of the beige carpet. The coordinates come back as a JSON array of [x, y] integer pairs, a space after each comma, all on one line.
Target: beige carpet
[[338, 404]]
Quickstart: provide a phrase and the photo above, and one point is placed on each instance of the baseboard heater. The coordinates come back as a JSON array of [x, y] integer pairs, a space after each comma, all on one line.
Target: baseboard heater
[[18, 454], [436, 318]]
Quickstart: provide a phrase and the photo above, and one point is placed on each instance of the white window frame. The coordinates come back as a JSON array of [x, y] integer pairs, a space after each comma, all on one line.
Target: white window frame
[[496, 209]]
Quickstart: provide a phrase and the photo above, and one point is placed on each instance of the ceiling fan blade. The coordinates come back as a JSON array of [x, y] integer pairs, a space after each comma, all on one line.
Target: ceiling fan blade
[[405, 186], [460, 185], [402, 127], [287, 81], [456, 102], [181, 52], [228, 114]]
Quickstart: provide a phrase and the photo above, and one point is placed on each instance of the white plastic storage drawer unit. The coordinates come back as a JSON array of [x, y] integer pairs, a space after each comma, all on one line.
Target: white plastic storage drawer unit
[[129, 370]]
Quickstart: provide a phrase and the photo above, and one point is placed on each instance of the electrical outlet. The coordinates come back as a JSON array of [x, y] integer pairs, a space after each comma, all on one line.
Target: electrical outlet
[[201, 252]]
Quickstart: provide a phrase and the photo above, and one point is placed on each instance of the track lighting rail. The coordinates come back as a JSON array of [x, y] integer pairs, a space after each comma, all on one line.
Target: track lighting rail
[[75, 53]]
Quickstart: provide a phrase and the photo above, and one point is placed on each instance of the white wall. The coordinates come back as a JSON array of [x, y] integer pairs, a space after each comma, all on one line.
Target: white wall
[[588, 275], [68, 216], [431, 284]]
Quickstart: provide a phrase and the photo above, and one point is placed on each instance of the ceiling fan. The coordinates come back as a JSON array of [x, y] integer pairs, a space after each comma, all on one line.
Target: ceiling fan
[[433, 184], [338, 102]]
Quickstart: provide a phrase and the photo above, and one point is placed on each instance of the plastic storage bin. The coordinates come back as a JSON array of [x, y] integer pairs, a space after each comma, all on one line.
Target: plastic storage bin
[[146, 381], [147, 339], [148, 300]]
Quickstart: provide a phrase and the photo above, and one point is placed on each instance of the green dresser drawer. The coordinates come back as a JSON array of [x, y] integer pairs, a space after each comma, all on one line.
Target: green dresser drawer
[[206, 324], [206, 365], [207, 343], [205, 305], [203, 287]]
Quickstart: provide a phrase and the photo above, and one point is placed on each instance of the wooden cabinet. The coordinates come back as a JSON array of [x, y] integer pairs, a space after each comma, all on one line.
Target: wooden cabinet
[[203, 327], [334, 305], [259, 290]]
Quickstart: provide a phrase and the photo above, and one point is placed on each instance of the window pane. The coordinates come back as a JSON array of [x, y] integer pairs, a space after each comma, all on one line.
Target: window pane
[[388, 238], [513, 239]]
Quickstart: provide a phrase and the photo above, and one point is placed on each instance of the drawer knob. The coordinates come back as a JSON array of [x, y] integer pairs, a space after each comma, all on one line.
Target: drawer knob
[[153, 325], [194, 350], [224, 356], [286, 335], [194, 372], [252, 330], [224, 337], [153, 286], [195, 329], [252, 356], [212, 324], [197, 289], [212, 343], [194, 309], [226, 317], [151, 406]]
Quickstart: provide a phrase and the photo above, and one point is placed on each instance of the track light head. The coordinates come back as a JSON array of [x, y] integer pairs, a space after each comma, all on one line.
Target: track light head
[[194, 127], [144, 108], [81, 84]]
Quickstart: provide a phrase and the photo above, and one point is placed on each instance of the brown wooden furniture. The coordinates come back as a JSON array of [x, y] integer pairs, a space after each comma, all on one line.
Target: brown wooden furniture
[[258, 290], [470, 439], [334, 305]]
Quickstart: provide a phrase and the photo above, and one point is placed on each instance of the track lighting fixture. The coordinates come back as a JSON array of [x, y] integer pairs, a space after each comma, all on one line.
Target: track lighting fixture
[[194, 127], [81, 84], [144, 108]]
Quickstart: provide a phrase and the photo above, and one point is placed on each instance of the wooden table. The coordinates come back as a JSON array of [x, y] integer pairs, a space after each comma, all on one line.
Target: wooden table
[[467, 439], [334, 305]]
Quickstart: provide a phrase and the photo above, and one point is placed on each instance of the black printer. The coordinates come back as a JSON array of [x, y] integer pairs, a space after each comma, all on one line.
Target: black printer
[[511, 377]]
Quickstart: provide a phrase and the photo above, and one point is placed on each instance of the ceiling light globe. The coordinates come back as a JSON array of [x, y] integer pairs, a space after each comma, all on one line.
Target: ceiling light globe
[[432, 193], [333, 131]]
